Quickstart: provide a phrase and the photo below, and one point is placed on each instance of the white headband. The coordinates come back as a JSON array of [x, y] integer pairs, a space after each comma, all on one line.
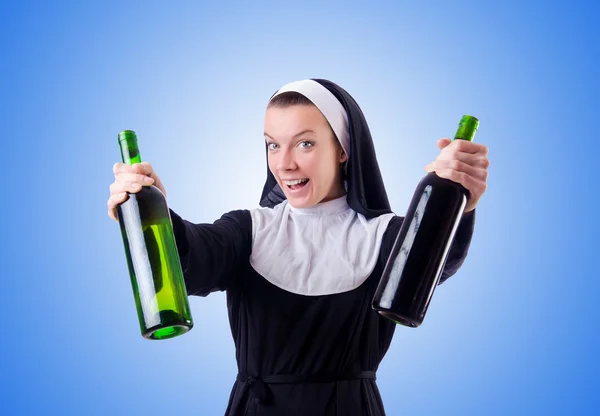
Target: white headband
[[326, 102]]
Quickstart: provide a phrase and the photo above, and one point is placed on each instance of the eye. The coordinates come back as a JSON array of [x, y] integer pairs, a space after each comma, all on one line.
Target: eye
[[272, 145], [306, 144]]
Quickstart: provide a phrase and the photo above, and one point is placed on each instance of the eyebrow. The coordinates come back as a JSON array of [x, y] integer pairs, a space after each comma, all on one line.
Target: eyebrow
[[295, 135]]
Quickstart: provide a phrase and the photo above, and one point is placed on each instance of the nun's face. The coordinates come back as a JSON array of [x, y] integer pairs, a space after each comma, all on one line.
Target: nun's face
[[304, 155]]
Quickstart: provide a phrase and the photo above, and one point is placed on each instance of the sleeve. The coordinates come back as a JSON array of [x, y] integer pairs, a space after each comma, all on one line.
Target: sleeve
[[458, 250], [212, 255]]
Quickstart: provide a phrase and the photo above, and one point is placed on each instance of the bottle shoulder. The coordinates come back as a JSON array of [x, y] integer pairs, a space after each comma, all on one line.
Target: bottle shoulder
[[434, 181], [150, 202], [151, 193]]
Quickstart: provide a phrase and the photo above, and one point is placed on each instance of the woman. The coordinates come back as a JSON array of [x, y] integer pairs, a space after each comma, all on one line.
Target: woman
[[300, 272]]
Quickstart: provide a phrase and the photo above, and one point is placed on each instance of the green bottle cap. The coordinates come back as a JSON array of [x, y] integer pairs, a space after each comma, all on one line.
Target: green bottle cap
[[467, 127]]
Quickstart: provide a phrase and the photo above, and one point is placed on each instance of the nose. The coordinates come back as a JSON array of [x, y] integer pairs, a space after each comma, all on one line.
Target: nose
[[286, 160]]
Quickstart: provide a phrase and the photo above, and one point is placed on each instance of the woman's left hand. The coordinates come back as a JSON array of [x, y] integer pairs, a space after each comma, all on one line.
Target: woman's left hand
[[463, 162]]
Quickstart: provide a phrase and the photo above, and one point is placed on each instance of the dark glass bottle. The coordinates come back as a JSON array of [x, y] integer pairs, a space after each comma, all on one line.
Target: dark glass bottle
[[152, 257], [420, 251]]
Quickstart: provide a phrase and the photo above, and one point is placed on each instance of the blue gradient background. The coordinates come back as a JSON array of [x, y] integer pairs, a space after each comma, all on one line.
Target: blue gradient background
[[514, 332]]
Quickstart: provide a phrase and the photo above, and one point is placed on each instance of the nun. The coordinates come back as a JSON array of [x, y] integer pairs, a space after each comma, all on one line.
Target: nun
[[301, 269]]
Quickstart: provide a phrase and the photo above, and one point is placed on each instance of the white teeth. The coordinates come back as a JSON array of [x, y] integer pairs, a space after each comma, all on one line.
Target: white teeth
[[296, 182]]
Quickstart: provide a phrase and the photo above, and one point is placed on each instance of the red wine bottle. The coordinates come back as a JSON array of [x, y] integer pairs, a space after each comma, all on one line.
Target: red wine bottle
[[420, 251]]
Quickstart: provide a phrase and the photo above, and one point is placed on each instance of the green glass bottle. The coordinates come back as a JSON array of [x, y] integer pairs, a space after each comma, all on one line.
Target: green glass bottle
[[152, 257], [420, 251]]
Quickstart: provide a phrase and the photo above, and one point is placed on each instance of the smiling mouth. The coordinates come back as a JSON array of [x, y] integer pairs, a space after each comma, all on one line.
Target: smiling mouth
[[297, 184]]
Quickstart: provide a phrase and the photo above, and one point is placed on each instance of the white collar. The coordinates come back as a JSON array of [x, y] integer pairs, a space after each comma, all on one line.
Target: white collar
[[332, 207], [325, 249]]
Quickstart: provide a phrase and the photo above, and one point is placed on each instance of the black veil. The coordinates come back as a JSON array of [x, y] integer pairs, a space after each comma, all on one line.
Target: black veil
[[366, 191]]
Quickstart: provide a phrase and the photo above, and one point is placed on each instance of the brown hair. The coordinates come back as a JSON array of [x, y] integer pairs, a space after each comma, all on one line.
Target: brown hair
[[289, 98]]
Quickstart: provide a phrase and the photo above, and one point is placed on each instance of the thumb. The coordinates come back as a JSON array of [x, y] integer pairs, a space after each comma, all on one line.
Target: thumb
[[441, 143]]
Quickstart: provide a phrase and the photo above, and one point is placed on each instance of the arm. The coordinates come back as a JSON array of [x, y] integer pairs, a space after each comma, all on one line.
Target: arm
[[212, 254], [458, 250]]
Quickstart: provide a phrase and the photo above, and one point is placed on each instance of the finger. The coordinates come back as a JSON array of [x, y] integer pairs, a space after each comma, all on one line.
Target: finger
[[473, 159], [475, 186], [144, 168], [119, 168], [112, 203], [125, 186], [460, 166], [134, 177], [467, 147], [126, 181]]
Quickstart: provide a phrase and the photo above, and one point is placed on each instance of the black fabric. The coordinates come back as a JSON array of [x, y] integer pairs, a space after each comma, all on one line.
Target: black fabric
[[296, 355], [216, 249], [366, 191], [258, 388]]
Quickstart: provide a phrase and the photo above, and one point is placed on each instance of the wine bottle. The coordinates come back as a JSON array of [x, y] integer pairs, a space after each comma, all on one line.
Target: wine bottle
[[152, 257], [420, 251]]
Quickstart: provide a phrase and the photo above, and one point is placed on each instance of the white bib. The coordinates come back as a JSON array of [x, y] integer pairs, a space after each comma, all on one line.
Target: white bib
[[325, 249]]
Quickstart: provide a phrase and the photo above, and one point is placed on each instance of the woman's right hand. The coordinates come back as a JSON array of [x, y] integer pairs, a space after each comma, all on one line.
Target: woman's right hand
[[130, 178]]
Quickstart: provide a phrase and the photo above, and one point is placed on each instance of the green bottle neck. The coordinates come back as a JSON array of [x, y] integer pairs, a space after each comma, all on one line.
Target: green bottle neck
[[466, 128], [130, 152]]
